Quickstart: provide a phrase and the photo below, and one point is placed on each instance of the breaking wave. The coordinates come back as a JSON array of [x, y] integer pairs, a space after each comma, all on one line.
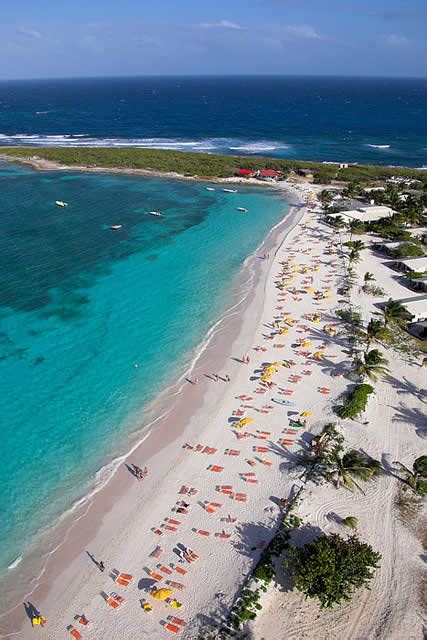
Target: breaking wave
[[208, 145]]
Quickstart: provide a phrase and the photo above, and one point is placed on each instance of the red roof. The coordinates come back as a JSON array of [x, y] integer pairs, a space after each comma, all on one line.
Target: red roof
[[244, 172], [269, 173]]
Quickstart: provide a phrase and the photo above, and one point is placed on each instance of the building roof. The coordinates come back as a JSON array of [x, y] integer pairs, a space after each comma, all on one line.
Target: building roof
[[369, 213], [417, 306], [269, 173], [415, 264], [244, 172]]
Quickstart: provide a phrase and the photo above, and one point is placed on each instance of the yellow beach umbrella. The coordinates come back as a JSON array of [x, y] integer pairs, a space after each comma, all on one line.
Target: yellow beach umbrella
[[278, 364], [306, 344], [161, 594], [283, 332], [270, 368], [175, 604], [306, 414], [266, 378], [246, 421]]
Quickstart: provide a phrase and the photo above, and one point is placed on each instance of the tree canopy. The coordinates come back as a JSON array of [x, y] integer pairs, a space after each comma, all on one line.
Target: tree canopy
[[331, 568]]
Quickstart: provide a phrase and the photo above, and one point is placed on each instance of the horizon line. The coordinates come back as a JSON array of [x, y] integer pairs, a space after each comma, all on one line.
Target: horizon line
[[212, 75]]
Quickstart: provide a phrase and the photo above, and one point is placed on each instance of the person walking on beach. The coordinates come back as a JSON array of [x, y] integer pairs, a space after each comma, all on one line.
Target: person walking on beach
[[101, 566], [227, 378]]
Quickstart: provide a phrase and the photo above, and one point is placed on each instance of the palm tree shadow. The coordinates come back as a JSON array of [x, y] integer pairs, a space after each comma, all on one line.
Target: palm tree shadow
[[406, 387], [412, 416]]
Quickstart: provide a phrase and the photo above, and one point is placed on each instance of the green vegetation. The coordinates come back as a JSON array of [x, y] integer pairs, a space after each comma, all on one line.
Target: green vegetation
[[343, 470], [416, 478], [202, 164], [356, 401], [407, 250], [371, 365], [331, 568], [416, 275], [350, 521], [394, 312]]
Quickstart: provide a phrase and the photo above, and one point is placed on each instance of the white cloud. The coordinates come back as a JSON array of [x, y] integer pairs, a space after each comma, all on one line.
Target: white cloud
[[303, 31], [395, 40], [222, 24], [30, 33]]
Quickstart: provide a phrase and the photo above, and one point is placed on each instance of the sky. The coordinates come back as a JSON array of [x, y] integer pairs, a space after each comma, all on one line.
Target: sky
[[51, 38]]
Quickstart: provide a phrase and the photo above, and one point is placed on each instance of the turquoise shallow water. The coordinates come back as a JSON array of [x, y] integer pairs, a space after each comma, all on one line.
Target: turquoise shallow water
[[80, 304]]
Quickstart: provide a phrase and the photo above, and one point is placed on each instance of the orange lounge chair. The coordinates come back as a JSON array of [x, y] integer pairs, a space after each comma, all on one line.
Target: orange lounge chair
[[126, 576], [176, 620], [170, 521], [240, 497], [164, 569], [215, 468], [156, 553], [156, 576], [74, 633], [252, 480], [82, 619], [210, 450], [172, 627], [184, 490], [202, 532], [124, 583], [223, 535], [180, 570], [115, 601], [260, 449]]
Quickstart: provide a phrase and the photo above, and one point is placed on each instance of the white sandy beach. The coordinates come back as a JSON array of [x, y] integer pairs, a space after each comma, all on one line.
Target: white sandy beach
[[228, 538]]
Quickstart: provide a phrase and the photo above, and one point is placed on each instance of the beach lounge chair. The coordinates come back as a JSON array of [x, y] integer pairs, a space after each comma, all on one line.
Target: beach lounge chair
[[157, 552], [240, 497], [155, 576], [115, 601], [124, 583], [172, 627], [126, 576], [74, 632], [202, 532], [180, 570], [176, 585], [176, 620], [164, 569], [215, 468], [170, 521]]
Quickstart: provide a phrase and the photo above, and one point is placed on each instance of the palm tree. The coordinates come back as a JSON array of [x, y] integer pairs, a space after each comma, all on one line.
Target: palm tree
[[344, 469], [376, 331], [371, 365], [415, 478], [393, 311], [368, 277], [357, 245]]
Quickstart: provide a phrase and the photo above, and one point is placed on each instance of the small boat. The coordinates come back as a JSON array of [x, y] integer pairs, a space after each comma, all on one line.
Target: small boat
[[116, 227], [156, 213], [210, 189], [242, 209], [230, 190], [61, 203]]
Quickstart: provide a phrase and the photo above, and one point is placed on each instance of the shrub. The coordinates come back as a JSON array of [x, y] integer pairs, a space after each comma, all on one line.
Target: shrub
[[331, 568], [356, 401], [407, 249], [350, 522]]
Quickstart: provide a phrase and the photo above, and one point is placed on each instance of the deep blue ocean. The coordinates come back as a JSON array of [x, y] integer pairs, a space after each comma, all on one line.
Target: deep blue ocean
[[81, 305], [377, 121]]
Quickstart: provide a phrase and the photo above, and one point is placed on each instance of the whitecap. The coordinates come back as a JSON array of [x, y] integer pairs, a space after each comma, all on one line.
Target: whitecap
[[379, 146]]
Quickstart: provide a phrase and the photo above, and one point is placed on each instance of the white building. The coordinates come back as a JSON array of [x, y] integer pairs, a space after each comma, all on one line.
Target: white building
[[365, 214], [417, 307], [413, 264]]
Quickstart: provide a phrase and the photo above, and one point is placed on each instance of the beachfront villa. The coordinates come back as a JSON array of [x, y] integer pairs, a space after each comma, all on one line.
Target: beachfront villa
[[416, 306], [368, 213], [414, 265]]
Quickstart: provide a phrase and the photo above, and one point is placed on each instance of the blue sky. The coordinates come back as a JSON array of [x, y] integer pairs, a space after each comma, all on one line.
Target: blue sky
[[51, 38]]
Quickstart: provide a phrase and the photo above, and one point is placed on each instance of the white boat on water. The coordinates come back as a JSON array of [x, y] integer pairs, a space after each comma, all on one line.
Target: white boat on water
[[230, 190], [156, 213], [210, 189], [242, 209], [61, 203], [116, 227]]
